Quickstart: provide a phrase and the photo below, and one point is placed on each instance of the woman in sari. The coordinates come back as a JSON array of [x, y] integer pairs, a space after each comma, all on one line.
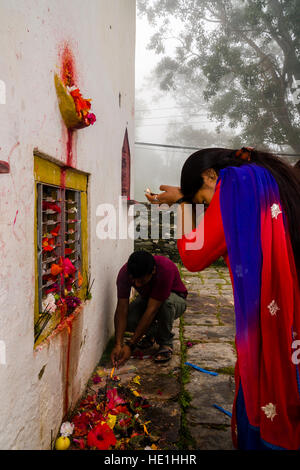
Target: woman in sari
[[252, 220]]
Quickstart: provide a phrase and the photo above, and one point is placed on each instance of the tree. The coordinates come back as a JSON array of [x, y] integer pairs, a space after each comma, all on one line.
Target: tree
[[243, 58]]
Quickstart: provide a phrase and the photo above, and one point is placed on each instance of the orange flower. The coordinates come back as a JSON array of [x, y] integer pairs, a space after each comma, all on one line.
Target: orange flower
[[80, 279], [55, 269], [47, 244], [80, 103]]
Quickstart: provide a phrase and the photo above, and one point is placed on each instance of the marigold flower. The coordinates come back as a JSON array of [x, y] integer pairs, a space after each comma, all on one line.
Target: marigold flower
[[56, 269], [80, 103]]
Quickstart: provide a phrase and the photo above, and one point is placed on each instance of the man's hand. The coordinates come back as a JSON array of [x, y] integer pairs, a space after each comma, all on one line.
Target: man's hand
[[116, 354], [124, 355]]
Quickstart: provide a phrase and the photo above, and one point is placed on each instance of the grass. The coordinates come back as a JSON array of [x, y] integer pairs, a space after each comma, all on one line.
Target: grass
[[186, 440], [219, 263], [226, 370]]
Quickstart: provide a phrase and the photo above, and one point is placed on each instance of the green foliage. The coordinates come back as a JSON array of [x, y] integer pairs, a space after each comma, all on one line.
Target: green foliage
[[241, 57], [226, 370], [89, 285]]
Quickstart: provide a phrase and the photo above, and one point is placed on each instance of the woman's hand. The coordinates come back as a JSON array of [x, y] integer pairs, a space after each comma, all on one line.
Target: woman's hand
[[169, 196]]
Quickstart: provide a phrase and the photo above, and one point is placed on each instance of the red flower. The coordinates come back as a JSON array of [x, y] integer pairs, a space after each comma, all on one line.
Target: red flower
[[80, 442], [55, 231], [119, 409], [113, 398], [101, 437], [52, 206], [91, 118], [47, 244], [97, 379]]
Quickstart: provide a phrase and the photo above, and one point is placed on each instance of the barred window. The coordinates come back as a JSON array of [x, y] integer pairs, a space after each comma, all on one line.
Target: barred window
[[59, 253]]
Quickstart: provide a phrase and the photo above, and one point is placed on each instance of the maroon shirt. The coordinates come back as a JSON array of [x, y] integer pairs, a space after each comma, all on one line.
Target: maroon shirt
[[164, 281]]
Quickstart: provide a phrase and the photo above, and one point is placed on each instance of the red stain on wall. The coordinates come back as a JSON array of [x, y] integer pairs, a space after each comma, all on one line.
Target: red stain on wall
[[68, 68], [70, 161], [63, 178], [16, 217], [69, 330], [12, 150], [69, 78]]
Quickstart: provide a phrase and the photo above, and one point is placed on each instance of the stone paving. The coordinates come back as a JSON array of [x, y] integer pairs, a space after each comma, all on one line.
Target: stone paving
[[208, 324]]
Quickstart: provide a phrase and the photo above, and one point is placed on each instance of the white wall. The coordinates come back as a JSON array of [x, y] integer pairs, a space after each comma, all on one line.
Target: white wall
[[101, 34]]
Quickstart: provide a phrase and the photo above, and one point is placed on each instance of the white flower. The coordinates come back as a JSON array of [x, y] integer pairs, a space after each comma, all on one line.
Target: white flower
[[273, 308], [275, 209], [49, 304], [270, 411], [147, 448], [66, 429]]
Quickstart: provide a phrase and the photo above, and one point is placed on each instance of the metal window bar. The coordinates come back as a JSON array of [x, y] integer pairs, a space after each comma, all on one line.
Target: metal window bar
[[69, 235], [73, 227], [47, 221]]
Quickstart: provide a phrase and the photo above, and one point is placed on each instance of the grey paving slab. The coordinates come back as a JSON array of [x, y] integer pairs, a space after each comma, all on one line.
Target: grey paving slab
[[212, 355], [165, 422], [201, 319], [213, 282], [206, 391], [211, 439], [159, 386], [213, 333]]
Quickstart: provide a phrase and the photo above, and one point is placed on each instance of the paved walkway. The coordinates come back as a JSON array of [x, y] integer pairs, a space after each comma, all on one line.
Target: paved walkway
[[209, 322], [182, 398]]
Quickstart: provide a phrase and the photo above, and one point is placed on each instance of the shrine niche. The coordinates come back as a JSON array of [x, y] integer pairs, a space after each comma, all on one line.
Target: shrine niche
[[126, 164]]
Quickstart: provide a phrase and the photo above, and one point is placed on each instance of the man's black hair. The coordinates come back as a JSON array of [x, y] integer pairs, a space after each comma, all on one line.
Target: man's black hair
[[140, 263]]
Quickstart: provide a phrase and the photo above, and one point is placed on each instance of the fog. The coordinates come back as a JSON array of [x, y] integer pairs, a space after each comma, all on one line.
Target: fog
[[203, 85]]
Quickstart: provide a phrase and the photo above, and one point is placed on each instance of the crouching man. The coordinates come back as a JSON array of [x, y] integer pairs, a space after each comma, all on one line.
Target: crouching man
[[150, 316]]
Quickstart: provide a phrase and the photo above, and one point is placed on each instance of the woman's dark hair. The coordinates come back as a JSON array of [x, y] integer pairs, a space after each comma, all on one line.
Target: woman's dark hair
[[286, 176], [140, 263]]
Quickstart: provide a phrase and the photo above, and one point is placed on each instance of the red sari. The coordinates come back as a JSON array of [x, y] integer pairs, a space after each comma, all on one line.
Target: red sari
[[246, 225]]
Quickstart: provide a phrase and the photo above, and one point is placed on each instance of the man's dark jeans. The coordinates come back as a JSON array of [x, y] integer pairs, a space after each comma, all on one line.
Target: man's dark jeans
[[161, 327]]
